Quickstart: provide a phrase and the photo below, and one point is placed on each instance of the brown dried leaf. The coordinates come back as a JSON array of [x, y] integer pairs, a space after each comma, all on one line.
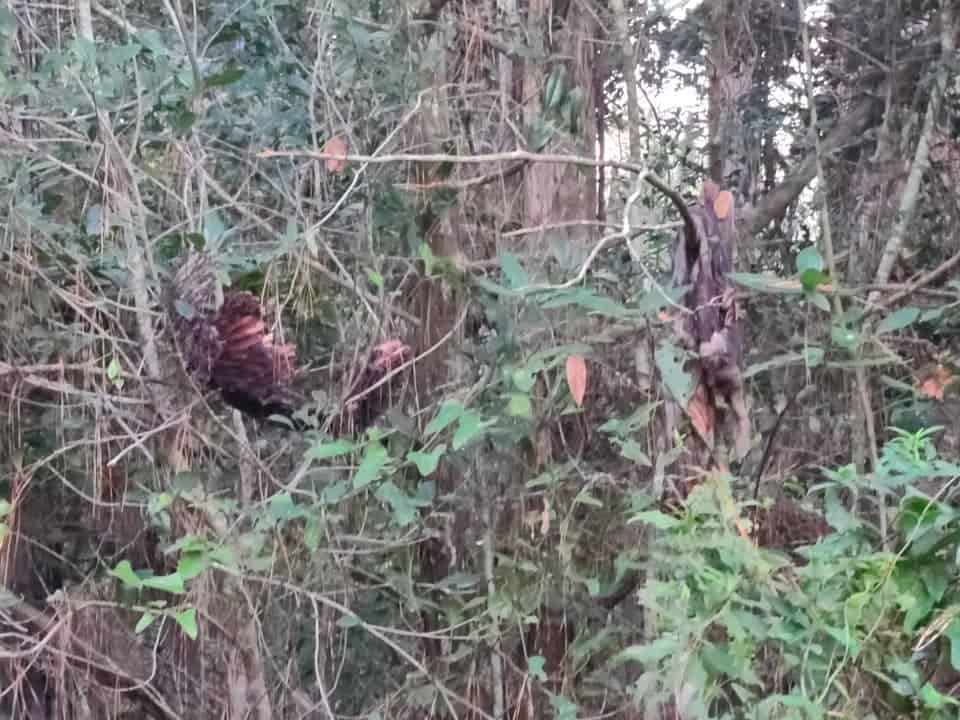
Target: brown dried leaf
[[335, 146], [577, 378], [723, 204]]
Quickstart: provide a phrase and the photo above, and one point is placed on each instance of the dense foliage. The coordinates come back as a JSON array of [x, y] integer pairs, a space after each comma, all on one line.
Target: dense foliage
[[524, 532]]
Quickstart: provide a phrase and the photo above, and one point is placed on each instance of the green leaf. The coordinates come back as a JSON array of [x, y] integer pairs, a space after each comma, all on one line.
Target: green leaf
[[145, 621], [312, 534], [449, 413], [809, 259], [513, 272], [524, 379], [426, 462], [182, 119], [519, 405], [328, 450], [374, 460], [5, 508], [113, 369], [426, 254], [470, 427], [953, 634], [403, 507], [657, 519], [587, 299], [649, 654], [124, 572], [191, 564], [810, 279], [375, 278], [227, 76], [819, 300], [349, 621], [811, 356], [120, 55], [632, 450], [334, 493], [187, 620], [213, 228], [669, 361], [904, 317], [844, 337], [172, 583], [225, 556], [933, 698], [283, 508], [535, 667]]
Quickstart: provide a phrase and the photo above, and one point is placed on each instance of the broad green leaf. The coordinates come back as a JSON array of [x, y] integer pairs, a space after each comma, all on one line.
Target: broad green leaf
[[227, 76], [120, 55], [651, 653], [282, 508], [172, 583], [934, 699], [113, 369], [519, 405], [810, 279], [192, 564], [513, 272], [585, 298], [812, 357], [334, 493], [145, 621], [953, 634], [819, 300], [844, 337], [449, 413], [471, 426], [312, 533], [374, 460], [213, 228], [426, 462], [349, 621], [524, 379], [223, 555], [403, 507], [632, 450], [187, 620], [669, 361], [426, 254], [323, 451], [809, 259], [657, 519], [124, 573], [904, 317], [535, 666]]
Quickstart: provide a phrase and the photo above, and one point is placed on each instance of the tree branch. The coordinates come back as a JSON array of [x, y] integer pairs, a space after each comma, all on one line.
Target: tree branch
[[775, 202]]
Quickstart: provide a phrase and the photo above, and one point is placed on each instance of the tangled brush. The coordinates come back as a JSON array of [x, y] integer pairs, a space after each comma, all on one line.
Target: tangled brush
[[226, 346]]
